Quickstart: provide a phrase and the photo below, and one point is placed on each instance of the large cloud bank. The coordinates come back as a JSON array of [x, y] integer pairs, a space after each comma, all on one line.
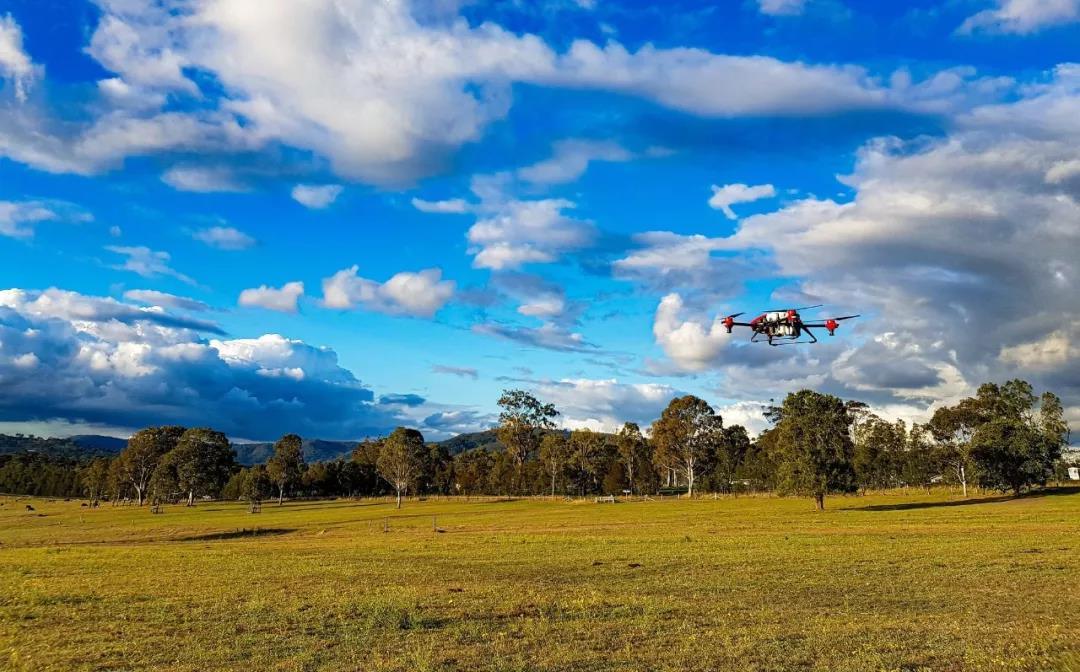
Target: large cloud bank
[[106, 363]]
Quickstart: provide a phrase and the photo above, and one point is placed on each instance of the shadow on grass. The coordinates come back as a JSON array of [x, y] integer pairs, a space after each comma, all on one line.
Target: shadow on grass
[[237, 534], [907, 506]]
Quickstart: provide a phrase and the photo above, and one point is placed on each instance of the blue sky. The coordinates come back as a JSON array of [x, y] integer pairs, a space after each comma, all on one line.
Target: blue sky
[[336, 217]]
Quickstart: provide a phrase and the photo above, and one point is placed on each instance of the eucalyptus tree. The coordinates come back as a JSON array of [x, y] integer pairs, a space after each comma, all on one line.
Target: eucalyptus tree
[[554, 454], [140, 458], [203, 461], [400, 460], [633, 450], [813, 446], [685, 436], [523, 421], [286, 467]]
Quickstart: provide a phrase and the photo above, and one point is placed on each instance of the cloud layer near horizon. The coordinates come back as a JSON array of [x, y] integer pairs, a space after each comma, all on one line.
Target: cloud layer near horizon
[[101, 362]]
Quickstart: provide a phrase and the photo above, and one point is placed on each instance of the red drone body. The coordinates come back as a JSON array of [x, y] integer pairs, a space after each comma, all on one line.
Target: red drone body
[[784, 325]]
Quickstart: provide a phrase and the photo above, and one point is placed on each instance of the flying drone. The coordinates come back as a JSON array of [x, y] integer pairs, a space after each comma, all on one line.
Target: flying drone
[[784, 325]]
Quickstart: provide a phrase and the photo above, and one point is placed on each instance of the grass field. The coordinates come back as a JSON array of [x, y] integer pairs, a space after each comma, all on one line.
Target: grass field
[[883, 582]]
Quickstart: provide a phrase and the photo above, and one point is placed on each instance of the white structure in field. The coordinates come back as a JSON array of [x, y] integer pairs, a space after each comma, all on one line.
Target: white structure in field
[[1074, 473]]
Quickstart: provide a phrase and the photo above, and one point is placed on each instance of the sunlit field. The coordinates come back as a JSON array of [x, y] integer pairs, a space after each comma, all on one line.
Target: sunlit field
[[885, 582]]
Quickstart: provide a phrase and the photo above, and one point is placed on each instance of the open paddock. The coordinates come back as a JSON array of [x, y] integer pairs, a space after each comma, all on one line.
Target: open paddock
[[890, 581]]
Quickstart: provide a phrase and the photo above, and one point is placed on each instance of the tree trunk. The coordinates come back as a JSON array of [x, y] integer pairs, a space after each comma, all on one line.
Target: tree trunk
[[139, 494], [963, 480], [819, 501], [191, 498], [553, 485], [690, 482], [399, 498], [280, 494]]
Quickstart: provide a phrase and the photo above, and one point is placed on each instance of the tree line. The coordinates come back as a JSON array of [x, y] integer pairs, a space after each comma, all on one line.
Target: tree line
[[1003, 438]]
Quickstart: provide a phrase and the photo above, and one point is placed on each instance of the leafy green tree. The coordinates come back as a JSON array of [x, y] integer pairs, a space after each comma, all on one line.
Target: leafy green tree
[[257, 485], [119, 485], [879, 451], [95, 479], [1015, 436], [686, 435], [203, 460], [615, 479], [758, 465], [318, 479], [1007, 452], [366, 474], [144, 450], [164, 483], [286, 467], [586, 450], [723, 457], [1052, 424], [554, 454], [400, 459], [918, 465], [250, 484], [633, 451], [471, 471], [523, 421], [436, 470], [814, 446], [952, 428]]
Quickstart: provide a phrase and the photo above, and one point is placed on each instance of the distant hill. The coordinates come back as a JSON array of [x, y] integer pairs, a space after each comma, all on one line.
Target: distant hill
[[320, 450], [315, 450], [68, 448], [85, 446], [98, 443], [461, 443]]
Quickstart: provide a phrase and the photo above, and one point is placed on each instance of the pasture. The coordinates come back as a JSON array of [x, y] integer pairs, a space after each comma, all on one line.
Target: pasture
[[892, 581]]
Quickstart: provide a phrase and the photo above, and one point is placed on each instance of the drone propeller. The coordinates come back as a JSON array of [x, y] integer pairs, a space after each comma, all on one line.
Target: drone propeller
[[846, 317], [730, 322], [784, 310], [734, 315]]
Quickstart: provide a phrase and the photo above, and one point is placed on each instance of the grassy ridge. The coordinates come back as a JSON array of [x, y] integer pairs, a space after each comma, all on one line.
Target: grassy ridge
[[879, 582]]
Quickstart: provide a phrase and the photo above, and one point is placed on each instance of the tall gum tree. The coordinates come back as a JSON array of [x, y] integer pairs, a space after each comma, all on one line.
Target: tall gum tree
[[685, 435], [523, 421], [286, 466], [633, 450], [203, 460], [554, 453], [140, 458], [400, 459]]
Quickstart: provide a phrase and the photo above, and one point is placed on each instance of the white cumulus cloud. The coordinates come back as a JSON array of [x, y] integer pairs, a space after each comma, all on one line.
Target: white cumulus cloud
[[420, 294], [15, 64], [146, 262], [1022, 16], [570, 160], [728, 195], [224, 238], [604, 405], [283, 299], [202, 179], [316, 196]]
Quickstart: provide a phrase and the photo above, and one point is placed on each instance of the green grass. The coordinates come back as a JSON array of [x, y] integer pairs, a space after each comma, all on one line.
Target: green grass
[[883, 582]]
